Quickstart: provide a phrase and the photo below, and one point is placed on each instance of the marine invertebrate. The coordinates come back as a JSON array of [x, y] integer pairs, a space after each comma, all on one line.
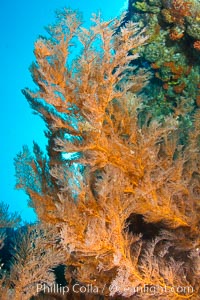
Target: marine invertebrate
[[197, 45], [178, 89], [198, 100], [193, 28], [176, 33], [35, 252], [174, 68], [110, 172], [178, 10]]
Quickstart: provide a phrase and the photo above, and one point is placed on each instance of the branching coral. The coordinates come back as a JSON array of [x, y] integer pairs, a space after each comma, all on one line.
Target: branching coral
[[108, 165], [7, 221], [35, 252]]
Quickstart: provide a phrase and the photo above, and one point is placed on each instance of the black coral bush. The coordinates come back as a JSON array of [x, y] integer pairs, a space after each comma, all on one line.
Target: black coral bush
[[34, 255], [121, 191]]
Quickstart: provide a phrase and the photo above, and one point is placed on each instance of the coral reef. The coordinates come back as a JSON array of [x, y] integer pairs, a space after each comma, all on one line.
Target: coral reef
[[117, 193], [172, 53]]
